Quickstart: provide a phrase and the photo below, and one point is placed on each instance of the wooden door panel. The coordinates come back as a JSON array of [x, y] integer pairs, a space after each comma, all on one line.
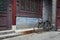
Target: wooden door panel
[[58, 14], [32, 9], [5, 15], [3, 21]]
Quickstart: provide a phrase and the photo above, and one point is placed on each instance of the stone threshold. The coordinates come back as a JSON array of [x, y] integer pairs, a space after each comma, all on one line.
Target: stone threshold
[[13, 33]]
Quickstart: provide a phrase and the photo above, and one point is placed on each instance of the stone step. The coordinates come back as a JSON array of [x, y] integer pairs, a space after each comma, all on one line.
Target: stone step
[[8, 35], [6, 32]]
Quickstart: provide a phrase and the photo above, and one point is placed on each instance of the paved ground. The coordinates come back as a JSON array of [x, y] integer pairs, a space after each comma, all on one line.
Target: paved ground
[[38, 36]]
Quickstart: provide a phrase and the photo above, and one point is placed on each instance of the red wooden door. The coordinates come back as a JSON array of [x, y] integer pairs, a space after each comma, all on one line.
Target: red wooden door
[[58, 14], [5, 14]]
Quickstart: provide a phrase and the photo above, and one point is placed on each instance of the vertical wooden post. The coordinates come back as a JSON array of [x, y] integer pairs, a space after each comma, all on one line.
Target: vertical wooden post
[[14, 12]]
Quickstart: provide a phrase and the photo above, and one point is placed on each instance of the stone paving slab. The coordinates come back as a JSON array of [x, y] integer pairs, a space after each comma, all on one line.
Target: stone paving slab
[[38, 36]]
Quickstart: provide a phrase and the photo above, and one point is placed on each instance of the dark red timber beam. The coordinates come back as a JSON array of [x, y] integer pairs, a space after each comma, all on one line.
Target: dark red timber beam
[[14, 12]]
